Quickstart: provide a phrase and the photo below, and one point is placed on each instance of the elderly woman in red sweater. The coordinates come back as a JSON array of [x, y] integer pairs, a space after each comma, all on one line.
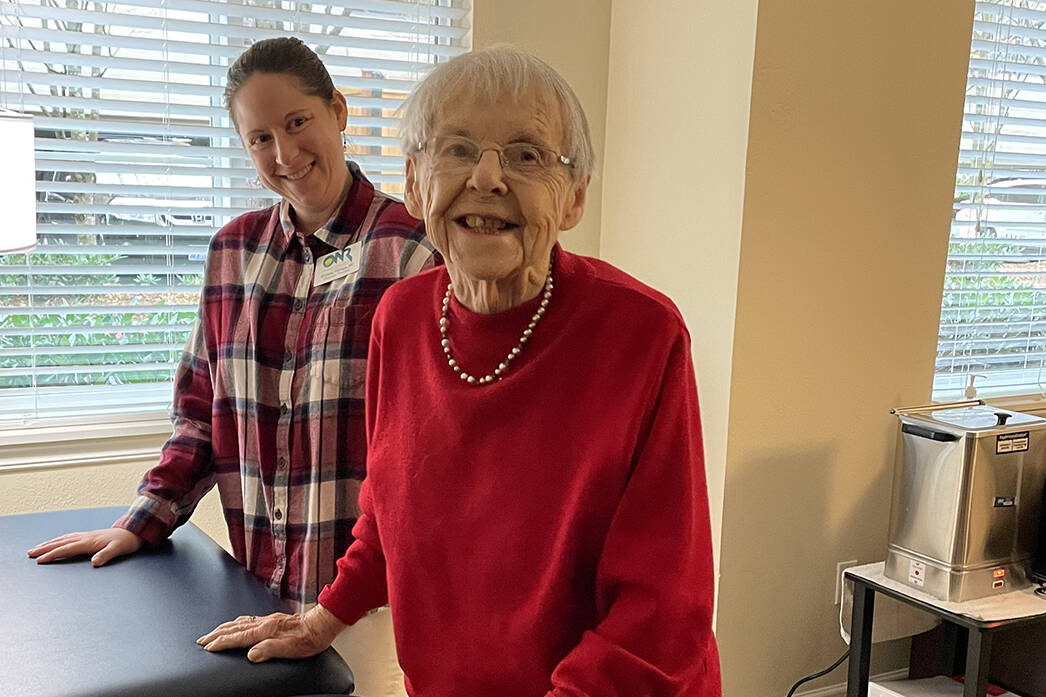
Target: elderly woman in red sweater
[[535, 510]]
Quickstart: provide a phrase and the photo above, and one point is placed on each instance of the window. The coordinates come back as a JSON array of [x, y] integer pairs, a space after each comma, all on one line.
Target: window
[[993, 316], [138, 166]]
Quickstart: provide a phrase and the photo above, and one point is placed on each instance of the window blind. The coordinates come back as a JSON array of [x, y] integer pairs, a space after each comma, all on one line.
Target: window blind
[[138, 166], [993, 314]]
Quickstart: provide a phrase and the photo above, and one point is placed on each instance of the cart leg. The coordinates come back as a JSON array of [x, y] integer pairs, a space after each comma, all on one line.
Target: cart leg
[[978, 657], [860, 640]]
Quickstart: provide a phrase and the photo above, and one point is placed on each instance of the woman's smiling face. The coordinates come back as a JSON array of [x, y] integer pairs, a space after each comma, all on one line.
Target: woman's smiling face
[[294, 141], [491, 225]]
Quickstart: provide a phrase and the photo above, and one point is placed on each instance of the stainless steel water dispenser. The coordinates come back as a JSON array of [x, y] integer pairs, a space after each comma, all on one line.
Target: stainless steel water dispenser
[[967, 490]]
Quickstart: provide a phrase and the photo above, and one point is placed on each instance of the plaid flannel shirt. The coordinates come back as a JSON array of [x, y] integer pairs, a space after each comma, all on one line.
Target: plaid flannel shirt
[[268, 397]]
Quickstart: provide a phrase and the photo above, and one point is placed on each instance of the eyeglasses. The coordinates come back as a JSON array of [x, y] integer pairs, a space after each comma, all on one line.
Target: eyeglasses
[[463, 153]]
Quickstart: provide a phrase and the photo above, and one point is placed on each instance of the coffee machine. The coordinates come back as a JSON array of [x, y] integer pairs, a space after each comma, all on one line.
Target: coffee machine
[[967, 493]]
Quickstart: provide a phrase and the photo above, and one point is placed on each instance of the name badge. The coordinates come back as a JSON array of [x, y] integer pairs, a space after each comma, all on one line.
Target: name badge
[[338, 264]]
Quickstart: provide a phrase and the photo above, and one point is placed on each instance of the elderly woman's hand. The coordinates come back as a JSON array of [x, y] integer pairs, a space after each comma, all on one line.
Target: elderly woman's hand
[[277, 635]]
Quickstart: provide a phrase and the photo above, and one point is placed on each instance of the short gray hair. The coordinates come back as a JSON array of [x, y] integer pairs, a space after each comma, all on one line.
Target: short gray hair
[[491, 72]]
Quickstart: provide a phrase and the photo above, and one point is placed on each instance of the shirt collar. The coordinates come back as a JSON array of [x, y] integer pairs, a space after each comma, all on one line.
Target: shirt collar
[[344, 226]]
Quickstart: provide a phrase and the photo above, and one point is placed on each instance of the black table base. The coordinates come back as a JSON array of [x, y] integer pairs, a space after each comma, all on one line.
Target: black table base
[[978, 646]]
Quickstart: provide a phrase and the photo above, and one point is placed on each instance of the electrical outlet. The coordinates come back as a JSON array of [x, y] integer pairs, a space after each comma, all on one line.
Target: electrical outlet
[[839, 569]]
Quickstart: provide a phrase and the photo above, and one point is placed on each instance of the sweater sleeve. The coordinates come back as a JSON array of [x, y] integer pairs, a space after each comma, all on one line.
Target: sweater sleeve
[[360, 585], [654, 581]]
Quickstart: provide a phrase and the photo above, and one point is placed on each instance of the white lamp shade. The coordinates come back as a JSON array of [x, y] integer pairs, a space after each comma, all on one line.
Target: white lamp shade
[[17, 183]]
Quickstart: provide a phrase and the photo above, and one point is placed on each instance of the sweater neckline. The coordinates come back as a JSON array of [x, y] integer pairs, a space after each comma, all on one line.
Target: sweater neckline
[[481, 341], [469, 320]]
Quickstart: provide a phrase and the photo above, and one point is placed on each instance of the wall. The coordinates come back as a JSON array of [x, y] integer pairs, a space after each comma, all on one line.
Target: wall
[[853, 136], [573, 37], [677, 131]]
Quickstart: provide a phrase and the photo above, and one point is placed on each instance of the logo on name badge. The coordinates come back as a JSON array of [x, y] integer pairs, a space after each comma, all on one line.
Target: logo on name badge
[[339, 264]]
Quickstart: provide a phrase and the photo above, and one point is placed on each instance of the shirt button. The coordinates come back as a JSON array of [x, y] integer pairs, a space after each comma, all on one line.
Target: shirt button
[[277, 514], [284, 408], [299, 305], [308, 257], [288, 358], [281, 463]]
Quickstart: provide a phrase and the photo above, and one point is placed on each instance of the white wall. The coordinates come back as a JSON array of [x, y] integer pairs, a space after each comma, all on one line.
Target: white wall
[[677, 132]]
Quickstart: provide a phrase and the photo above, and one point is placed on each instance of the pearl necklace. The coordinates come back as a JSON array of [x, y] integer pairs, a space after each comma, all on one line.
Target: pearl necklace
[[444, 330]]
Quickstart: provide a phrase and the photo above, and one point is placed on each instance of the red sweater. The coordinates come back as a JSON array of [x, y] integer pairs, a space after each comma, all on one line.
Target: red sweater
[[548, 533]]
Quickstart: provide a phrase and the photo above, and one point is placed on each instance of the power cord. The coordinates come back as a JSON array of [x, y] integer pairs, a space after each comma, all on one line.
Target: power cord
[[823, 673]]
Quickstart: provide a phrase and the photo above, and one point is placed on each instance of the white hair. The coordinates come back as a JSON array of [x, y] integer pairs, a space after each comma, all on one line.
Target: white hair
[[490, 73]]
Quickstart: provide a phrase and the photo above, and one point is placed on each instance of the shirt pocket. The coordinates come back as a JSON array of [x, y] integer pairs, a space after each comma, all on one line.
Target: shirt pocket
[[343, 337], [344, 312]]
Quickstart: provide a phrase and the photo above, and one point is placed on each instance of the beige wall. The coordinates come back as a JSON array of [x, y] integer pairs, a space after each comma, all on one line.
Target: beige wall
[[853, 136], [572, 36], [677, 129]]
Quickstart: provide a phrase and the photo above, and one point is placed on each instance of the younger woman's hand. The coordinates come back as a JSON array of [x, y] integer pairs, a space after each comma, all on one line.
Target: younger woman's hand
[[104, 546]]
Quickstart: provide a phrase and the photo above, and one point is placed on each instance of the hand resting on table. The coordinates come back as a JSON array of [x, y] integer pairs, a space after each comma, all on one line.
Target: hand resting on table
[[104, 546], [277, 635]]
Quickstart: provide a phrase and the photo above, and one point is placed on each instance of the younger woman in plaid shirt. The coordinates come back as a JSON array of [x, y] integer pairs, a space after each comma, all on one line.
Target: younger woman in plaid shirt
[[268, 398]]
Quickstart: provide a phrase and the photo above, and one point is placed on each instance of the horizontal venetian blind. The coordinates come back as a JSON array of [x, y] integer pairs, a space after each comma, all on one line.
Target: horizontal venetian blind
[[138, 166], [993, 315]]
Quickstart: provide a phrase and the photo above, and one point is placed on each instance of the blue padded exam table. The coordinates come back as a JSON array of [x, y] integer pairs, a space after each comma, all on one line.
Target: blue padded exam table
[[129, 629]]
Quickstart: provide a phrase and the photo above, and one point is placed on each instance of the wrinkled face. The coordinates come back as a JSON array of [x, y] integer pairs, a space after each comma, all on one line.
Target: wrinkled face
[[294, 140], [489, 224]]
